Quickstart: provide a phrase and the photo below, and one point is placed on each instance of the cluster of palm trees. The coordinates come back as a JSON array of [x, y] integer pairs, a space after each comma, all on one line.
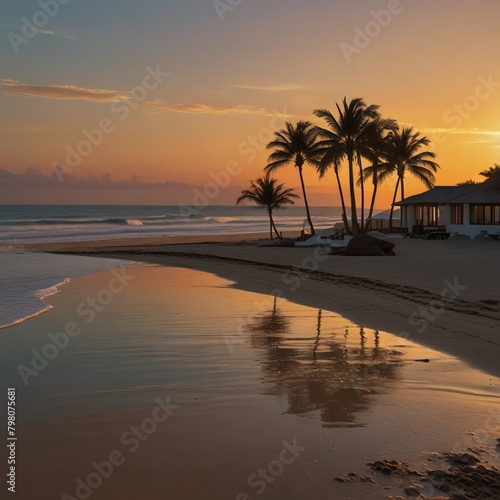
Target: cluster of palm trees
[[488, 174], [357, 133]]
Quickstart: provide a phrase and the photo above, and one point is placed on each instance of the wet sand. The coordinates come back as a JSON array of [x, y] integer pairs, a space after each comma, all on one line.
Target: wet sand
[[443, 294], [301, 396], [346, 383]]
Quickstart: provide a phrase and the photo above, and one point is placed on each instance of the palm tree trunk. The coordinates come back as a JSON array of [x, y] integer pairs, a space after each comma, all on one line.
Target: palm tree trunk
[[354, 215], [372, 205], [362, 185], [375, 188], [273, 225], [278, 234], [342, 201], [309, 220], [392, 205], [402, 195]]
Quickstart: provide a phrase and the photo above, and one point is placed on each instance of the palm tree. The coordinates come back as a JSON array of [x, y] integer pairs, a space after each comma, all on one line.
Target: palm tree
[[329, 158], [377, 137], [345, 138], [297, 145], [490, 172], [402, 156], [267, 194]]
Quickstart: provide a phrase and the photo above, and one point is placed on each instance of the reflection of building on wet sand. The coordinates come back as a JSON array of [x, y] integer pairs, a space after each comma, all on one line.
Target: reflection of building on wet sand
[[329, 369]]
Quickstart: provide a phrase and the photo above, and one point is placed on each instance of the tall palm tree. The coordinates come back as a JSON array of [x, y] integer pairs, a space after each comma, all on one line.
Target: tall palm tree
[[329, 157], [345, 138], [377, 136], [266, 193], [298, 145], [402, 156]]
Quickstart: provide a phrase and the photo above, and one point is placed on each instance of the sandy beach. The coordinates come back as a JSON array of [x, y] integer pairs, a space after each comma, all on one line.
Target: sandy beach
[[443, 294], [250, 371], [250, 250]]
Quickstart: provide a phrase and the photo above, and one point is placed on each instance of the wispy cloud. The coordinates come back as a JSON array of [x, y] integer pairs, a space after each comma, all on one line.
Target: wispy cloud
[[26, 128], [70, 92], [282, 87], [39, 31], [208, 110], [37, 186], [55, 33], [461, 131], [65, 92], [35, 177]]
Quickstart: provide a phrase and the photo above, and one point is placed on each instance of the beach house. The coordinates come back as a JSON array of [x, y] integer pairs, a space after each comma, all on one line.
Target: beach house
[[468, 209]]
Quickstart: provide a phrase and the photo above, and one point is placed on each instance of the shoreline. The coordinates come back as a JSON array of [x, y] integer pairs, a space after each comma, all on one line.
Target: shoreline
[[147, 241], [395, 294], [335, 383], [28, 279]]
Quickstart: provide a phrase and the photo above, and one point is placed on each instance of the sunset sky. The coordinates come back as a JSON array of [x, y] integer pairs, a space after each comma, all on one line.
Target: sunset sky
[[182, 89]]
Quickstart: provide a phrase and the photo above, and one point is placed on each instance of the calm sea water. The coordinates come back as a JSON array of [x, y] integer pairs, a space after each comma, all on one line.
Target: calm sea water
[[26, 278]]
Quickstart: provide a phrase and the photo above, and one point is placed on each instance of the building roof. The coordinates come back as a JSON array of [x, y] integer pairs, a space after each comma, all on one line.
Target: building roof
[[440, 195], [486, 192], [385, 215]]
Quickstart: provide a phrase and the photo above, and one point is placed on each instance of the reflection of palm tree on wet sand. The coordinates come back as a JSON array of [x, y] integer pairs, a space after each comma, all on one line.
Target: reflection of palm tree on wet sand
[[318, 334], [270, 326], [336, 377]]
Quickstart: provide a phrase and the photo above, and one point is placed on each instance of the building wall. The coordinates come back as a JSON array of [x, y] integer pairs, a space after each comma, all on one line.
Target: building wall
[[468, 229], [408, 216], [471, 230], [466, 214]]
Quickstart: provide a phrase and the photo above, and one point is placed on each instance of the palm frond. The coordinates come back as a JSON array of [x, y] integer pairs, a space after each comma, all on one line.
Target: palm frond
[[267, 193]]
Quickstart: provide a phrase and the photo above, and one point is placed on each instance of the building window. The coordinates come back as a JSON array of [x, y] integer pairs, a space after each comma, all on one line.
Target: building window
[[427, 215], [457, 214], [487, 215]]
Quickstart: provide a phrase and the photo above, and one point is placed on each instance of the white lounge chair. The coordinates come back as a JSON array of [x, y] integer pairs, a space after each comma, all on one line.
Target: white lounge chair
[[325, 238]]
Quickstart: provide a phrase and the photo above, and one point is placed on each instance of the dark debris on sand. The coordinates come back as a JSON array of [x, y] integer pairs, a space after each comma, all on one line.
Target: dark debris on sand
[[365, 245], [457, 476], [467, 478]]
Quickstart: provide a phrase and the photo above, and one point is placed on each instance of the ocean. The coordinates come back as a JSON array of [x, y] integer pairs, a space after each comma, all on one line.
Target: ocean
[[26, 278], [21, 224]]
